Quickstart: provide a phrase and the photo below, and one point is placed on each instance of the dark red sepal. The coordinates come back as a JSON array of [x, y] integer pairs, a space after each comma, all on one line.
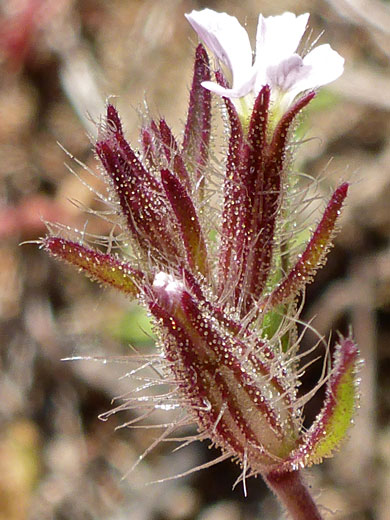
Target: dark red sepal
[[197, 130], [314, 255], [188, 223]]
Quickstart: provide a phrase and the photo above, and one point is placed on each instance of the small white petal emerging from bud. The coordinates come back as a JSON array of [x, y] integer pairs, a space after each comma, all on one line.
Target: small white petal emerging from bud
[[167, 288]]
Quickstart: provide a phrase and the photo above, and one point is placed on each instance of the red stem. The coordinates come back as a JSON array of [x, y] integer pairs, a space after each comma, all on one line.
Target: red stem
[[293, 493]]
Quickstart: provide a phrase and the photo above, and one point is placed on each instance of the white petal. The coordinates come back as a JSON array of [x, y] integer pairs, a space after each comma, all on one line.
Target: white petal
[[162, 279], [238, 92], [287, 73], [325, 64], [227, 39], [278, 37]]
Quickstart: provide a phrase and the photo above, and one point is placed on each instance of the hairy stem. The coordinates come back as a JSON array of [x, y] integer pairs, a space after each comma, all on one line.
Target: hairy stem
[[293, 493]]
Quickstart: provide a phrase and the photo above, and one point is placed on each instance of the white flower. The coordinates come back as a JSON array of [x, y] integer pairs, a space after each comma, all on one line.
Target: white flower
[[276, 63], [228, 40]]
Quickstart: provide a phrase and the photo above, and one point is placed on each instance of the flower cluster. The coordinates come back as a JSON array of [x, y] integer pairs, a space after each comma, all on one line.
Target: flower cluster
[[223, 283]]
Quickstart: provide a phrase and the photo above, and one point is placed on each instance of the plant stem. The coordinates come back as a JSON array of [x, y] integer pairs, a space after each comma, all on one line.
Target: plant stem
[[292, 491]]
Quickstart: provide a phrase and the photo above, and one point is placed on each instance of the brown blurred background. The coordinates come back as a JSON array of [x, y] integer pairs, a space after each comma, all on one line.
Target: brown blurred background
[[59, 60]]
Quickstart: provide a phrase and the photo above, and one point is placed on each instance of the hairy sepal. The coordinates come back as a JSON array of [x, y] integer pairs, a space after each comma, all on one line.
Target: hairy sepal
[[237, 395], [245, 169], [255, 172], [148, 145], [170, 148], [232, 193], [197, 130], [263, 188], [269, 193], [188, 223], [101, 267], [140, 194]]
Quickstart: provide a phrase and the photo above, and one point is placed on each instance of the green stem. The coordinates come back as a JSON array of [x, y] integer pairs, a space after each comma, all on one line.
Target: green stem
[[292, 491]]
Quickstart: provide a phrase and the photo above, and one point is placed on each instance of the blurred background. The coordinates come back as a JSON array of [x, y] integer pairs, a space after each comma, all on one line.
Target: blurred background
[[59, 60]]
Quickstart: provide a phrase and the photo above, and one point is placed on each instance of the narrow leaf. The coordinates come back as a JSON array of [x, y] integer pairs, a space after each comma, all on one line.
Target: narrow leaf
[[101, 267], [336, 416], [314, 255]]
